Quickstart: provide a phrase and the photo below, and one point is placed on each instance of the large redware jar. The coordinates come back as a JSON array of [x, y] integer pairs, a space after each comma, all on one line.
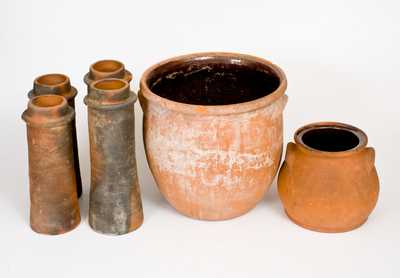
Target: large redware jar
[[213, 131]]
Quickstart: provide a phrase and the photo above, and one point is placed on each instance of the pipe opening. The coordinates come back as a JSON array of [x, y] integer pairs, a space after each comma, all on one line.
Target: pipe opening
[[52, 79], [107, 66], [213, 80], [330, 139], [47, 101], [113, 84]]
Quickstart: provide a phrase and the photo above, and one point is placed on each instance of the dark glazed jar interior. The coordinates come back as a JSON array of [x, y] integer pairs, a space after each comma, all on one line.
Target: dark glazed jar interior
[[330, 139], [213, 81]]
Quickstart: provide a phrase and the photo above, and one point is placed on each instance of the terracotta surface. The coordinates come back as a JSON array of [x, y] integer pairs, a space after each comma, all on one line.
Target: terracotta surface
[[213, 131], [115, 203], [59, 84], [107, 69], [54, 202], [328, 182]]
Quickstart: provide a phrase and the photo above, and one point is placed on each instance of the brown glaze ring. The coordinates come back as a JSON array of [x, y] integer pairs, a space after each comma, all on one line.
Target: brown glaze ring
[[213, 139], [54, 204], [59, 84], [115, 202], [107, 69], [328, 182]]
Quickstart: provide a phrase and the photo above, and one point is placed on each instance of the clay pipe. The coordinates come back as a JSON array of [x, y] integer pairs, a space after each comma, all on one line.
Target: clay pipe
[[59, 84], [54, 206], [115, 203]]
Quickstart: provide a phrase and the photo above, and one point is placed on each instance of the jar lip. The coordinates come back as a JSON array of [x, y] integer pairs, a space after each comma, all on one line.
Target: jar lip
[[361, 136], [226, 109]]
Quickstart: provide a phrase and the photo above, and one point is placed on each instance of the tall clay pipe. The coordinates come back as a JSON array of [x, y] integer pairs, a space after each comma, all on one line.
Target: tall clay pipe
[[54, 202], [59, 84], [115, 203]]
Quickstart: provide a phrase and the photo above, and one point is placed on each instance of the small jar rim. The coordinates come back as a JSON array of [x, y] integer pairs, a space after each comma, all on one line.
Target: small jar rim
[[361, 135]]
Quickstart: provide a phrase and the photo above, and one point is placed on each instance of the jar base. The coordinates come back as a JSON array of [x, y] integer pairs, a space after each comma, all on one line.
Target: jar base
[[213, 218], [324, 229]]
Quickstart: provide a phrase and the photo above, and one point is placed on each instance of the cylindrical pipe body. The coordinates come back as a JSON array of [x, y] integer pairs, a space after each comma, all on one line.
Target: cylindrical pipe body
[[115, 203], [54, 205]]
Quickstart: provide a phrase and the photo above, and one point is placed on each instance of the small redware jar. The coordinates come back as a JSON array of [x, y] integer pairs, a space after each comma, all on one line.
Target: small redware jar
[[328, 181]]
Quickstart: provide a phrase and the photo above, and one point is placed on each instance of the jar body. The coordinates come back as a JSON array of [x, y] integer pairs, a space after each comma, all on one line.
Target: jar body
[[213, 167], [328, 194]]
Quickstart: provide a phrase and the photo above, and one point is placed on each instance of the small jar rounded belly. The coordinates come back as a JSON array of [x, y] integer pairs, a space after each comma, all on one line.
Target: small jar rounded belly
[[328, 182], [331, 201]]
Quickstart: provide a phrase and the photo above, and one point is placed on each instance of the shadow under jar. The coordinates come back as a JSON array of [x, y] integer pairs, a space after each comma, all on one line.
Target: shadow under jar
[[213, 131], [328, 182]]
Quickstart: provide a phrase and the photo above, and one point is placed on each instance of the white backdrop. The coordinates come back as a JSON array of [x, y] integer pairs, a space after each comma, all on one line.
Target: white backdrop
[[342, 63]]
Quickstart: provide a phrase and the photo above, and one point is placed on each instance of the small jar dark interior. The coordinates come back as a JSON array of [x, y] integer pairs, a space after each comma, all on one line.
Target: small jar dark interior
[[330, 139], [213, 81]]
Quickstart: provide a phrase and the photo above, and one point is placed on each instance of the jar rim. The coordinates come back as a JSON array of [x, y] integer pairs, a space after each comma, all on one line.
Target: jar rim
[[361, 136], [224, 109]]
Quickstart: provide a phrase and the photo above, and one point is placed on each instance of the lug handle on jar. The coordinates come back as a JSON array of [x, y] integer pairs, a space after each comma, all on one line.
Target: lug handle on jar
[[284, 172], [282, 102], [290, 152], [370, 157]]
